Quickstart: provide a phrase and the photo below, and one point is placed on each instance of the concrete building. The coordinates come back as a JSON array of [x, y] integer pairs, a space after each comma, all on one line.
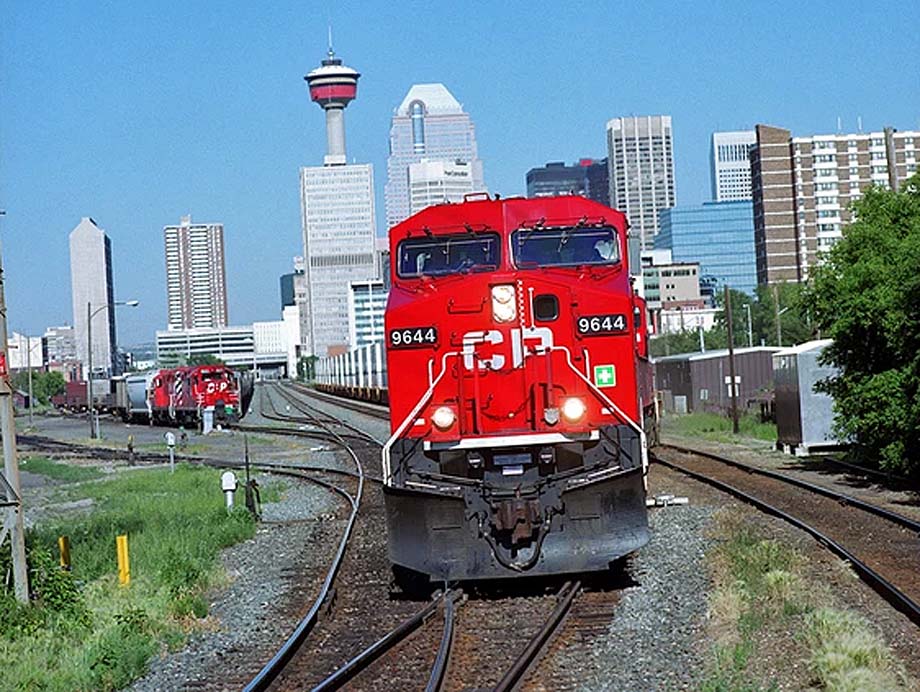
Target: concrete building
[[438, 182], [718, 235], [731, 165], [429, 124], [91, 284], [672, 286], [337, 211], [640, 153], [802, 188], [24, 352], [59, 345], [588, 178], [196, 281], [259, 345], [367, 302]]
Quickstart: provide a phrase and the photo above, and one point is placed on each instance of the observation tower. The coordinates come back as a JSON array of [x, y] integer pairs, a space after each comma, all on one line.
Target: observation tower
[[333, 86]]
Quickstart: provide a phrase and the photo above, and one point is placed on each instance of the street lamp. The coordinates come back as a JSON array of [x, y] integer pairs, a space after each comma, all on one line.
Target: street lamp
[[747, 307], [90, 313]]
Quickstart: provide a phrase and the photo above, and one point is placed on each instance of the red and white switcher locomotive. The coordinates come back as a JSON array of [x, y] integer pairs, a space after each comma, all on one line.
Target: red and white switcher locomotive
[[520, 390]]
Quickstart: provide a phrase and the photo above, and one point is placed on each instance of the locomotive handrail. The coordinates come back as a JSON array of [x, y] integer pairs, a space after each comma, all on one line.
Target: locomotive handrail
[[629, 421], [387, 475]]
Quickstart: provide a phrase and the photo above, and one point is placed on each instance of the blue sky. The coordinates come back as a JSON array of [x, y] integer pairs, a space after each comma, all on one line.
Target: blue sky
[[137, 113]]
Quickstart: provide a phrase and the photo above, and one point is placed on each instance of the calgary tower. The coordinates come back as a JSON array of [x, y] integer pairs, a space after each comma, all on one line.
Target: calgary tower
[[333, 86]]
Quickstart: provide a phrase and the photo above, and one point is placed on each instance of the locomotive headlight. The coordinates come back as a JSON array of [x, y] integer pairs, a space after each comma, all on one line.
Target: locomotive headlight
[[503, 308], [573, 409], [443, 417]]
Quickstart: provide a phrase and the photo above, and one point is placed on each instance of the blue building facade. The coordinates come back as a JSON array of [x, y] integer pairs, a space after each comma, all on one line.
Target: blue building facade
[[718, 235]]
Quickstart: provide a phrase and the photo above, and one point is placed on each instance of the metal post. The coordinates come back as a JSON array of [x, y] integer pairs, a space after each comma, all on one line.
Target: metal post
[[747, 307], [89, 369], [29, 366], [731, 359], [11, 463]]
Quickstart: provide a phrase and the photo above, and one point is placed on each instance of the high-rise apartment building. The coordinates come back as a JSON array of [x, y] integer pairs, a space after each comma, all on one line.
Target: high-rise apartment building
[[59, 345], [802, 189], [337, 212], [429, 124], [437, 182], [91, 284], [196, 282], [588, 178], [640, 153], [731, 165]]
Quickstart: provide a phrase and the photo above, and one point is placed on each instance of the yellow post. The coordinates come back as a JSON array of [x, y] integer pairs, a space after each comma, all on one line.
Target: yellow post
[[64, 545], [124, 566]]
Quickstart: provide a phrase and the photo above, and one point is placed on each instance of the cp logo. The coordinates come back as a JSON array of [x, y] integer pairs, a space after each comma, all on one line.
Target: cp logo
[[524, 342]]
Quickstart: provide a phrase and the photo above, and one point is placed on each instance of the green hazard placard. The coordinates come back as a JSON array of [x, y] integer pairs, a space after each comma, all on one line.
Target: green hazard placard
[[605, 375]]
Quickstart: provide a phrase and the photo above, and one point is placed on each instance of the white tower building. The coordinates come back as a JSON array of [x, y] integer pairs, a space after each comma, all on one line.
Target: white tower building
[[91, 283], [429, 124], [731, 165], [641, 160], [436, 182], [337, 211]]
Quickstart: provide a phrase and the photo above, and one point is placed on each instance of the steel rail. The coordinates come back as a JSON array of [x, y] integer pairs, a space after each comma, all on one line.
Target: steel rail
[[373, 410], [309, 410], [894, 596], [439, 669], [888, 514], [534, 650], [357, 664], [276, 664]]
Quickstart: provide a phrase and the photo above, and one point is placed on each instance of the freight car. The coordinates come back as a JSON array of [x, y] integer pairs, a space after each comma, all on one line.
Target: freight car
[[524, 398], [178, 395]]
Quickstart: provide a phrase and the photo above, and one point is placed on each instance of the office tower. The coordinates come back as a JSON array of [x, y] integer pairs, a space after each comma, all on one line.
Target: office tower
[[718, 235], [196, 282], [337, 212], [731, 165], [367, 302], [91, 283], [588, 178], [802, 189], [429, 124], [437, 182], [640, 152]]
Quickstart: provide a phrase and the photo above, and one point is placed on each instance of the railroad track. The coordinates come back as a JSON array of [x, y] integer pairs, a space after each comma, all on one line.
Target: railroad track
[[882, 546]]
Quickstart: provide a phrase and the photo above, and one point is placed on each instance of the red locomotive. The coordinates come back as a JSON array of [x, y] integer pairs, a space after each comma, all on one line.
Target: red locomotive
[[180, 395], [520, 390]]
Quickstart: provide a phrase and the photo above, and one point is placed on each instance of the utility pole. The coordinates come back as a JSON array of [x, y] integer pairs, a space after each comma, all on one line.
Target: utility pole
[[89, 369], [12, 503], [29, 366], [731, 359], [747, 309]]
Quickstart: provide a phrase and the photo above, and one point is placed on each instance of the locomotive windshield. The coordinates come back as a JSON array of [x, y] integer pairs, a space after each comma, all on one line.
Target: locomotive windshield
[[561, 247], [448, 254]]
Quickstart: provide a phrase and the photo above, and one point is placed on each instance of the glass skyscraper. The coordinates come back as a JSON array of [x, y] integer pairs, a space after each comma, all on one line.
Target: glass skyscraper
[[429, 124], [718, 235]]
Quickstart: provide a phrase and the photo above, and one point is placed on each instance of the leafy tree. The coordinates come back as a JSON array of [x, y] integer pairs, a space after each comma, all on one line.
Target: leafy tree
[[866, 297], [44, 384], [204, 359]]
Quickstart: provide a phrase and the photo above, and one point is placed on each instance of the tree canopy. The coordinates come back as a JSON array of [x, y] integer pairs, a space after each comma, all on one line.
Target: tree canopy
[[866, 297]]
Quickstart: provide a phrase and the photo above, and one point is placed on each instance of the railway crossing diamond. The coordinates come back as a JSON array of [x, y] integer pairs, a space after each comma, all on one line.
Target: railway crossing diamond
[[605, 375]]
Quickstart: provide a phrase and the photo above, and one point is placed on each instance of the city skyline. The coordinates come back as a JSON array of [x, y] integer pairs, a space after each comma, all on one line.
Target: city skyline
[[83, 136]]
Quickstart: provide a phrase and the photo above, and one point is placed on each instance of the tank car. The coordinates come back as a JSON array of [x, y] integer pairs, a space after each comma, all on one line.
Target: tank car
[[520, 391]]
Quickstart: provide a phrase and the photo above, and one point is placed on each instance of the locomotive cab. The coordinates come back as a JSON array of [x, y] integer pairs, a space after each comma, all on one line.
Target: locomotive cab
[[518, 387]]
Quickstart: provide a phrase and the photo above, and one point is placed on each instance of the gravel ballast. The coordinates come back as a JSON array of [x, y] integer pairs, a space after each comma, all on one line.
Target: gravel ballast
[[654, 639]]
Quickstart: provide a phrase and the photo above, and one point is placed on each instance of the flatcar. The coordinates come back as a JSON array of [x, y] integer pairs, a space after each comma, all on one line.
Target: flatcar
[[520, 393]]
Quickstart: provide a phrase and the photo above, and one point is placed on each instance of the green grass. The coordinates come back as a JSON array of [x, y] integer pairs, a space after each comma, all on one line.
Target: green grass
[[85, 631], [711, 426], [58, 471], [762, 594]]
